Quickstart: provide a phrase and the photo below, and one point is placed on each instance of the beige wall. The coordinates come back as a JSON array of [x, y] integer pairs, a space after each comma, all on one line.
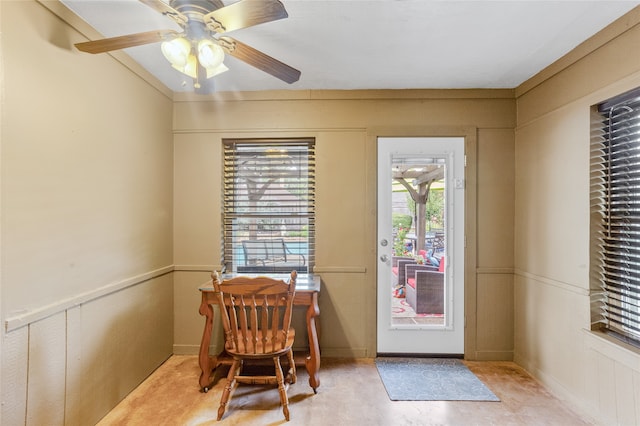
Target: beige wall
[[345, 125], [552, 303], [104, 195], [86, 216]]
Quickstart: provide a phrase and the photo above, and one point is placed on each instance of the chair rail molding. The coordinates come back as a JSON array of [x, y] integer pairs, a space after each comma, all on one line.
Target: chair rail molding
[[26, 317]]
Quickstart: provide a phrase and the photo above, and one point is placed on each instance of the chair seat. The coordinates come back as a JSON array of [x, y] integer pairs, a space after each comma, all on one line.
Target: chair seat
[[246, 349]]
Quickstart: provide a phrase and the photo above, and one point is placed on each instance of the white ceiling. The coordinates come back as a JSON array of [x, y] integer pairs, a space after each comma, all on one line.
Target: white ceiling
[[382, 44]]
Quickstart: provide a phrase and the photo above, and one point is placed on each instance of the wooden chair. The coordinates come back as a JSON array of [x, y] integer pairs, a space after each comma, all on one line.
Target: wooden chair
[[256, 317]]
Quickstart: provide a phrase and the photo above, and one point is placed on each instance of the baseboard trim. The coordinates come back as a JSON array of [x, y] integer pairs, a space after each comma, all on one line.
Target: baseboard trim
[[493, 356], [558, 390], [191, 349], [345, 353]]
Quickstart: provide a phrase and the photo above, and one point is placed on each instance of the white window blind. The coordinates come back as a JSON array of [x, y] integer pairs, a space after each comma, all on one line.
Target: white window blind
[[269, 205], [615, 216]]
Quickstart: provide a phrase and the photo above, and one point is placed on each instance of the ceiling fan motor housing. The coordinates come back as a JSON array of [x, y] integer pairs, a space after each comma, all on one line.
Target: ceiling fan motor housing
[[194, 10], [196, 6]]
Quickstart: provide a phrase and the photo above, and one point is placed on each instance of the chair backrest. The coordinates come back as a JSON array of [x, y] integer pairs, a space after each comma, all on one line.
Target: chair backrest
[[256, 312]]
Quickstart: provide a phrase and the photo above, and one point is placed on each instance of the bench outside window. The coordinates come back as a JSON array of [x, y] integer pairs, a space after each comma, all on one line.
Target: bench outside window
[[271, 255]]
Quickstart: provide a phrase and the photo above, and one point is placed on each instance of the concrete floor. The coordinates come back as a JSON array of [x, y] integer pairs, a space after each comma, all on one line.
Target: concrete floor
[[350, 393]]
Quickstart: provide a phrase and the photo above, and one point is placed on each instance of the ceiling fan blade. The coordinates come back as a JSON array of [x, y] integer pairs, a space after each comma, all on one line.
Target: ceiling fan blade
[[122, 42], [243, 14], [260, 60], [166, 10]]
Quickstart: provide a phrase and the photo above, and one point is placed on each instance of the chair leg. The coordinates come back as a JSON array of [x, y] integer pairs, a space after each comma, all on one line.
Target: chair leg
[[231, 377], [284, 400], [292, 367]]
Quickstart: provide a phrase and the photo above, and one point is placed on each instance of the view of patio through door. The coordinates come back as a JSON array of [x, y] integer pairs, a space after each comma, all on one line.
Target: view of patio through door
[[420, 245], [418, 229]]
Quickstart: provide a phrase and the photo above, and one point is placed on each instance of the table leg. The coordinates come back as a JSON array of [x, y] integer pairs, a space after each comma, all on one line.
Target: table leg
[[207, 310], [313, 360]]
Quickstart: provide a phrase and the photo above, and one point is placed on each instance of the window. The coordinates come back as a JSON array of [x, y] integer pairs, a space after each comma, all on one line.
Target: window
[[615, 216], [269, 205]]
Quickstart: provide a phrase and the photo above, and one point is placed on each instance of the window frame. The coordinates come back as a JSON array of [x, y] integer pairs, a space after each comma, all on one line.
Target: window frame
[[615, 217], [268, 208]]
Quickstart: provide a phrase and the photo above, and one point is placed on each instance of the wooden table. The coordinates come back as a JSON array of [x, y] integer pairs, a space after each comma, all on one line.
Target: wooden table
[[307, 289]]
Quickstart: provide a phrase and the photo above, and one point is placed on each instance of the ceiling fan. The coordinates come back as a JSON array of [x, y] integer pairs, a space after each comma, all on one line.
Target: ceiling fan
[[198, 51]]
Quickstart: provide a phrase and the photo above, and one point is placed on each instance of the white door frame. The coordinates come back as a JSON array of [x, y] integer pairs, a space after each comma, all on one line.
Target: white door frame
[[450, 338]]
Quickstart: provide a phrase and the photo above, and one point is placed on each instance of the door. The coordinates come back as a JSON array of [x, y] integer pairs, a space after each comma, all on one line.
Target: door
[[420, 224]]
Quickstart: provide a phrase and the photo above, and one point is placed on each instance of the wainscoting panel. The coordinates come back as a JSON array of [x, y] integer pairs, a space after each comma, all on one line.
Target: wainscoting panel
[[347, 315], [47, 360], [73, 366], [15, 362], [494, 324], [615, 380], [593, 373], [188, 323]]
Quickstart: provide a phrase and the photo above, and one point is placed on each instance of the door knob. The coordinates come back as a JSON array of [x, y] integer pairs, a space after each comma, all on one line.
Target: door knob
[[384, 258]]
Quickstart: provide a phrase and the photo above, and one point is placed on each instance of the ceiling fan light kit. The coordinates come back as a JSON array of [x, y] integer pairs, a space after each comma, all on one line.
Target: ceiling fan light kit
[[199, 51], [186, 56], [210, 54], [176, 51]]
